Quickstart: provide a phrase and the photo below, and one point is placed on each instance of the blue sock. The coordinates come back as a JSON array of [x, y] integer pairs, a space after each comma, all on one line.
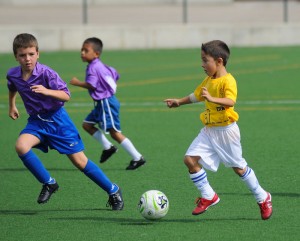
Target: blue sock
[[92, 171], [36, 167]]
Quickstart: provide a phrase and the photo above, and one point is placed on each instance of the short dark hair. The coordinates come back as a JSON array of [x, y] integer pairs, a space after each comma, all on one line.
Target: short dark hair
[[217, 49], [97, 43], [25, 40]]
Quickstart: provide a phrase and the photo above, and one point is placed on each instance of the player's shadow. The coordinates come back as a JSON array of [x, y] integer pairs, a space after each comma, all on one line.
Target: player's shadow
[[274, 194], [118, 220], [23, 169], [139, 221], [36, 212]]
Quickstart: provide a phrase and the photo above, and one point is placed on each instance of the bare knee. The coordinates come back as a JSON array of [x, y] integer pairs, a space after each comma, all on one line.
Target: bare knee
[[21, 147], [239, 171], [90, 128], [192, 163], [79, 160], [25, 142]]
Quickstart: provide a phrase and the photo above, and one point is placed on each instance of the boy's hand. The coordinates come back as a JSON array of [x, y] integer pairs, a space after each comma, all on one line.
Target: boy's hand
[[172, 103], [74, 81], [14, 113], [40, 89], [206, 94]]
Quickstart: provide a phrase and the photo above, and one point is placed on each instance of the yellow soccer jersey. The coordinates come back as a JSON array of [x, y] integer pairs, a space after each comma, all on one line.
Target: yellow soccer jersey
[[215, 114]]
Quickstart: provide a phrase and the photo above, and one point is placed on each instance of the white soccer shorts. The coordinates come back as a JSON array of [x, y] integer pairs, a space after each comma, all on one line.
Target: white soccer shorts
[[218, 144]]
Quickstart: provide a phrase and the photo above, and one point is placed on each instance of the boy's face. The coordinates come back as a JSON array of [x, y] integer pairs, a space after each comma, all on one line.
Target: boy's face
[[27, 58], [209, 64], [88, 54]]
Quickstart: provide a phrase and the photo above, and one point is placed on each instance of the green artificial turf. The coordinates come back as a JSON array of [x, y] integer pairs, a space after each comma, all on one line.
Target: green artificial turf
[[269, 108]]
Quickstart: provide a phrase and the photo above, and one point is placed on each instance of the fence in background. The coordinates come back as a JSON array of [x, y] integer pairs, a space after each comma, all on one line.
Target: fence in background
[[170, 25]]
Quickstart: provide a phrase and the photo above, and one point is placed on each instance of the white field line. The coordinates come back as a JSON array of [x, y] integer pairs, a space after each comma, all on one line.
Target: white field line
[[161, 103]]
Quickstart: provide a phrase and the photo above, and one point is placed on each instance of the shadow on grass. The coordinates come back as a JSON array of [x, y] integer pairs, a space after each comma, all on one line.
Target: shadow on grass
[[35, 212], [22, 169], [119, 220], [140, 221], [274, 194]]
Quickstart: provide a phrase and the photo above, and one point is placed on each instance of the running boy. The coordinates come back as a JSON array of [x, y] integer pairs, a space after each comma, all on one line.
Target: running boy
[[101, 82], [219, 140], [49, 126]]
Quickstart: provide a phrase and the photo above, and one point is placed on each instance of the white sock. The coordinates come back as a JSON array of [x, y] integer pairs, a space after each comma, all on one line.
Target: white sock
[[201, 182], [100, 137], [129, 147], [252, 183]]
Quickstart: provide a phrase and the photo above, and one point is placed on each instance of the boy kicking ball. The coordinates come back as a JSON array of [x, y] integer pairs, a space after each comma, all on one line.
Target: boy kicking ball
[[219, 141]]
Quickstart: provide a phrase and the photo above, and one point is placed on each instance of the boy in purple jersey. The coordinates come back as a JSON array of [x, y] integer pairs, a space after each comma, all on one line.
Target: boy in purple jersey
[[101, 83], [49, 126]]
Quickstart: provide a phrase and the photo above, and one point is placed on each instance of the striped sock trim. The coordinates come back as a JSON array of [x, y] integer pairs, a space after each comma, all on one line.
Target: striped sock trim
[[247, 173], [199, 178]]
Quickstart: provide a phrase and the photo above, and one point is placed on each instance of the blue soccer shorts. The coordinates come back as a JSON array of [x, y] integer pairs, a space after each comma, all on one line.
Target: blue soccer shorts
[[55, 131], [106, 114]]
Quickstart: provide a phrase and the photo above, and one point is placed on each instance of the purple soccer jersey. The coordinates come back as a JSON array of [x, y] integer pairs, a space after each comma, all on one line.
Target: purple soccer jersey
[[103, 78], [42, 75]]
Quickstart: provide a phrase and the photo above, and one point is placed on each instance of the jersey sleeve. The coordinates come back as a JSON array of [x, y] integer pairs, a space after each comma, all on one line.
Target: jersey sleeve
[[230, 89], [55, 82]]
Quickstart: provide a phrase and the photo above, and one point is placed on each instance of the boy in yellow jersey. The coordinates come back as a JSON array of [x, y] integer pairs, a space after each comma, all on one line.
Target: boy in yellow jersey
[[219, 140]]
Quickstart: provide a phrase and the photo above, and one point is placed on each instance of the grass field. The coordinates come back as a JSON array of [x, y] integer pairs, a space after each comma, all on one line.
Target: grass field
[[269, 108]]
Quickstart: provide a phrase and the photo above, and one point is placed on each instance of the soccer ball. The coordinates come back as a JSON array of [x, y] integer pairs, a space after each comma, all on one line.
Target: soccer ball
[[153, 205]]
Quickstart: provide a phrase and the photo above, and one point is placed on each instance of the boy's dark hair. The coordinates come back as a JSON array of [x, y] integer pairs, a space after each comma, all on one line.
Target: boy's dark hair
[[216, 49], [25, 40], [97, 43]]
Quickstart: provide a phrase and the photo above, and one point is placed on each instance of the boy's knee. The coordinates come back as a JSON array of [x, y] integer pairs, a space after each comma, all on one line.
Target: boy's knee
[[89, 128], [192, 164], [239, 171], [21, 148]]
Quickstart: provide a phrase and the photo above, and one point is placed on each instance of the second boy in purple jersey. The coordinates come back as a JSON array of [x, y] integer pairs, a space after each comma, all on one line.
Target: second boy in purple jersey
[[101, 82], [49, 126]]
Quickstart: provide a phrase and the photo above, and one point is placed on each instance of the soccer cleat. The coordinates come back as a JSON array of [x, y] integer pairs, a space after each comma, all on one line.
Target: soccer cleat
[[136, 164], [203, 204], [108, 153], [115, 200], [46, 192], [266, 207]]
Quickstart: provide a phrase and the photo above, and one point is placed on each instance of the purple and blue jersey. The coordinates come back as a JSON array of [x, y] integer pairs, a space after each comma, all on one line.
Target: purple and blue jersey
[[48, 120], [103, 78], [36, 103]]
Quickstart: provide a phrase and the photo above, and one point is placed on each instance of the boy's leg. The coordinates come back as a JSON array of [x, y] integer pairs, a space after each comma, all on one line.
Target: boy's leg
[[137, 158], [199, 178], [262, 197], [92, 171], [108, 148], [35, 166], [101, 138]]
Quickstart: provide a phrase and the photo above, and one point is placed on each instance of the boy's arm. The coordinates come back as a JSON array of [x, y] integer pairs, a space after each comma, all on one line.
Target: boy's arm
[[56, 94], [171, 103], [221, 101], [13, 111], [77, 82]]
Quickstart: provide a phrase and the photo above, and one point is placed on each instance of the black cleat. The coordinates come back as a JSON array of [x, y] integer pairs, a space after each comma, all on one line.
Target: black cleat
[[46, 192], [108, 153], [136, 164], [115, 201]]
